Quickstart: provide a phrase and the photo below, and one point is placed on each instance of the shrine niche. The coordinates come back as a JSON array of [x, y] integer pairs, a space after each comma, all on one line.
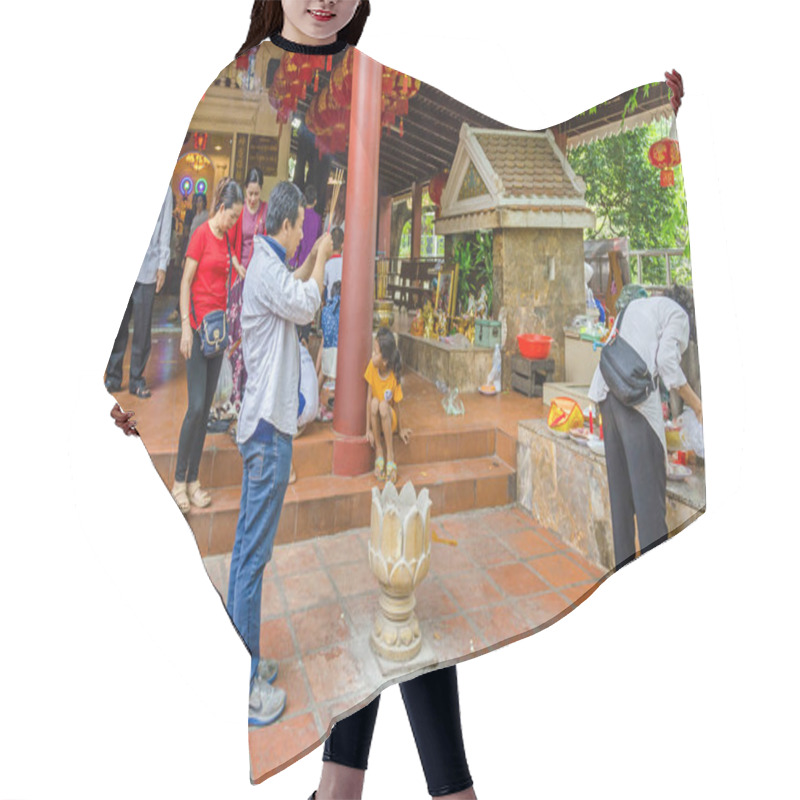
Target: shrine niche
[[520, 186]]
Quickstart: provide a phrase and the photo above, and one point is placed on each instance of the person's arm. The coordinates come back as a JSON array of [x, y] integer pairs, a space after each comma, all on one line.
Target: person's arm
[[370, 437], [673, 341], [187, 334], [237, 266], [287, 298], [164, 235], [689, 396], [324, 246]]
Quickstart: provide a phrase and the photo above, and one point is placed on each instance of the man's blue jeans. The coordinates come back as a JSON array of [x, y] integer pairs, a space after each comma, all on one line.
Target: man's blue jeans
[[265, 476]]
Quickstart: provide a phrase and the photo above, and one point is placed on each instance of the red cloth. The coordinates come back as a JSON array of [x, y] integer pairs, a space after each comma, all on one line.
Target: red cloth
[[248, 236], [209, 291]]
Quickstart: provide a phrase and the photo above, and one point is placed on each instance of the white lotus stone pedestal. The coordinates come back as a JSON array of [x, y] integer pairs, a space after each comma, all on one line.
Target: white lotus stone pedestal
[[399, 556]]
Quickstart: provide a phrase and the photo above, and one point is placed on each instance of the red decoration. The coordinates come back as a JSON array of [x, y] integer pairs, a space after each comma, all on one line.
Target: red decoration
[[436, 187], [200, 141], [664, 155]]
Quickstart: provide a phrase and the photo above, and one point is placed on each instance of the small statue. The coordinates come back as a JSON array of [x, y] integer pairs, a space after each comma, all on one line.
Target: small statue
[[417, 325], [471, 306], [470, 334], [428, 320], [482, 308], [441, 323]]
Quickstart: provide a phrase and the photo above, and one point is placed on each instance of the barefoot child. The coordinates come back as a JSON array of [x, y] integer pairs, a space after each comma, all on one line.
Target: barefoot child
[[384, 394]]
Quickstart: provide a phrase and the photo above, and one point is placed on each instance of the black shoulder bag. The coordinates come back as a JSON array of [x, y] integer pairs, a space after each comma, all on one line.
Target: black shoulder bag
[[624, 370]]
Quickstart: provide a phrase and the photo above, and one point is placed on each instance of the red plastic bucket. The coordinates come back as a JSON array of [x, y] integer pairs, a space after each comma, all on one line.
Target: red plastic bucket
[[534, 345]]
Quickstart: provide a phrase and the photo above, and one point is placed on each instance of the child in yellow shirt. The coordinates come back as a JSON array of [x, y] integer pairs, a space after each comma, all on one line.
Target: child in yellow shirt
[[384, 394]]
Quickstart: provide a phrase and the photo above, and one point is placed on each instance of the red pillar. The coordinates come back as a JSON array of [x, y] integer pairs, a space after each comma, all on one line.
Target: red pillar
[[352, 454]]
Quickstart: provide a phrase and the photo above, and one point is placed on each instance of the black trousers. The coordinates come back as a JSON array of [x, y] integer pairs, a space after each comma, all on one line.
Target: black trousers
[[432, 706], [202, 375], [140, 306], [637, 480]]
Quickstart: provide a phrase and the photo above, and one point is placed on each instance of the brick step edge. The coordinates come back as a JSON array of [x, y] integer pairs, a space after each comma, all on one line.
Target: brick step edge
[[222, 466], [491, 484]]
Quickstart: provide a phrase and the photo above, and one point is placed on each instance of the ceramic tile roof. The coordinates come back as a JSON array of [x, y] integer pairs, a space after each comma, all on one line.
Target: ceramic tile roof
[[527, 166]]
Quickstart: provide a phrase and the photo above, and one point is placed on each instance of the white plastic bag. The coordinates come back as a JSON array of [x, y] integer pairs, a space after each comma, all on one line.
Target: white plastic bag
[[692, 432], [497, 368], [224, 384]]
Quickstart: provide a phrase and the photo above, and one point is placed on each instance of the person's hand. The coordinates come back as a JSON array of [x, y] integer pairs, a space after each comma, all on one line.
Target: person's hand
[[675, 83], [324, 246], [124, 420], [405, 435], [160, 278], [698, 412], [371, 438], [186, 340], [240, 271]]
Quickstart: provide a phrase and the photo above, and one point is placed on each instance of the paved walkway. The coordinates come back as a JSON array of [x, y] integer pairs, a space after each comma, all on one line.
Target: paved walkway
[[504, 577]]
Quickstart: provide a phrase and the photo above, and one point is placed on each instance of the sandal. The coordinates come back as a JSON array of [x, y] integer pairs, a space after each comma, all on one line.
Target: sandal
[[391, 472], [198, 497], [181, 497], [140, 391], [380, 469], [292, 476]]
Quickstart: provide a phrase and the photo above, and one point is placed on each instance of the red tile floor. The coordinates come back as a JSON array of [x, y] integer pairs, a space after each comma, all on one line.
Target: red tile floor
[[504, 577], [501, 577]]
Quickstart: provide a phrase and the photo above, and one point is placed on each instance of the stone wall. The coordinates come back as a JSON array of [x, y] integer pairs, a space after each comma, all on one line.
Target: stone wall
[[565, 487], [524, 293], [462, 368]]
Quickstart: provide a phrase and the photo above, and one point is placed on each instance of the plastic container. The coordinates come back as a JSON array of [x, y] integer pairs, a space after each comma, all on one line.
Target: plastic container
[[534, 345], [488, 332]]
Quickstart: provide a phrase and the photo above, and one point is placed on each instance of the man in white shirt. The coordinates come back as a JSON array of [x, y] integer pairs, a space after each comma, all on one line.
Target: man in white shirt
[[274, 302], [140, 306]]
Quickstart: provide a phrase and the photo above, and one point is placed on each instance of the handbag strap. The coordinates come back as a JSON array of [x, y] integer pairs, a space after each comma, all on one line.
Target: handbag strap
[[618, 322], [230, 269]]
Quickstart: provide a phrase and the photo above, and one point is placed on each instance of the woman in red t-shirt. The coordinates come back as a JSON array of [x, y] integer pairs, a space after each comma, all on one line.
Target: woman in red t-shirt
[[210, 261]]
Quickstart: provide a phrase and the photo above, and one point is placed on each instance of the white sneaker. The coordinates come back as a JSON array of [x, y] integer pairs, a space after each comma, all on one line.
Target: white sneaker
[[266, 703]]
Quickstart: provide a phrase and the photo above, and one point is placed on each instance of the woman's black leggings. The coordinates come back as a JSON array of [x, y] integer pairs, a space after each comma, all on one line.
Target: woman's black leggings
[[433, 711], [202, 375]]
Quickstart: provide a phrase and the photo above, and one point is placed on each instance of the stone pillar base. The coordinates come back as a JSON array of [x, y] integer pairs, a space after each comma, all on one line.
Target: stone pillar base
[[403, 669], [352, 455], [395, 633]]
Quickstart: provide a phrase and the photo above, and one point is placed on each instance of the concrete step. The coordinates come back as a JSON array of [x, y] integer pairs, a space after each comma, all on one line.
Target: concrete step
[[221, 464], [320, 505]]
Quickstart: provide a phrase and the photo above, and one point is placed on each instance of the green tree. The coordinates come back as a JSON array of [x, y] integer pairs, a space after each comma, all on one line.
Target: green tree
[[624, 191]]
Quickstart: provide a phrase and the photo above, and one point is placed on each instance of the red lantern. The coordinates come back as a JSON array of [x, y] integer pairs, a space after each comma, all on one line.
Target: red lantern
[[664, 155], [200, 141]]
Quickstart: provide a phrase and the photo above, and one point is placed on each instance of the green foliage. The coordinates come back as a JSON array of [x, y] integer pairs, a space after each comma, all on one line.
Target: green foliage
[[474, 257], [624, 191], [405, 241]]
